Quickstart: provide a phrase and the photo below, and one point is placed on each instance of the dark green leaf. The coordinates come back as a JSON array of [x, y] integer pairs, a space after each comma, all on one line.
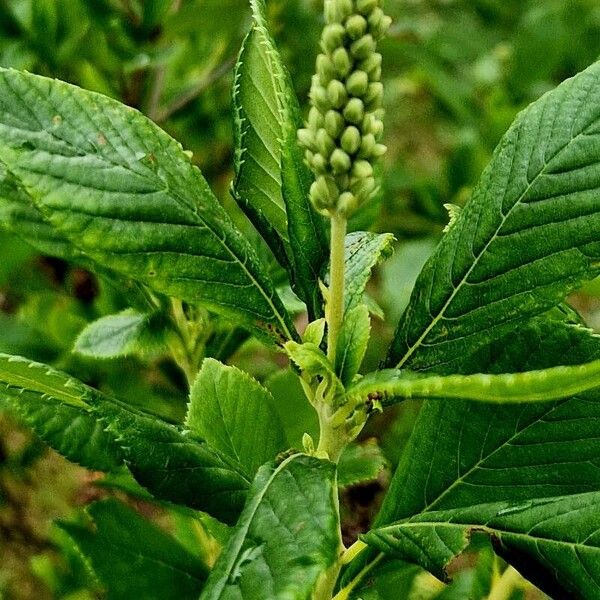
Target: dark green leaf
[[360, 463], [124, 192], [553, 541], [286, 537], [133, 558], [234, 414], [528, 236], [272, 182]]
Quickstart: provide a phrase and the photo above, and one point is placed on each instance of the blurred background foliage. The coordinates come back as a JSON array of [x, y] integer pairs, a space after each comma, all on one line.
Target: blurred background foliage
[[456, 74]]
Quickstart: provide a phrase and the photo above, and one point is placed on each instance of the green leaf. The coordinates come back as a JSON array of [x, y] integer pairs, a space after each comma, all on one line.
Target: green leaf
[[364, 250], [55, 406], [124, 193], [394, 385], [527, 237], [19, 215], [352, 343], [272, 182], [553, 541], [463, 453], [286, 537], [133, 558], [102, 433], [123, 334], [360, 463], [234, 414]]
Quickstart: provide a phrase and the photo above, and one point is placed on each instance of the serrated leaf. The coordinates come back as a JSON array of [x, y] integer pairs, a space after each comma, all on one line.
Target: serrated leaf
[[352, 343], [360, 463], [286, 537], [394, 385], [234, 414], [124, 193], [133, 558], [123, 334], [55, 406], [462, 453], [528, 236], [103, 433], [272, 182], [553, 541], [363, 251]]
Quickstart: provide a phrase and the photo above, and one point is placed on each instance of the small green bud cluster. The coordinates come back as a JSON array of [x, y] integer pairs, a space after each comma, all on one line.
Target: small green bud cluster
[[344, 129]]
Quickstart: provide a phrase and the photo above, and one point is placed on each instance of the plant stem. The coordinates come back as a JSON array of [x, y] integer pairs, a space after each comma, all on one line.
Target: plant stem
[[335, 302], [506, 584]]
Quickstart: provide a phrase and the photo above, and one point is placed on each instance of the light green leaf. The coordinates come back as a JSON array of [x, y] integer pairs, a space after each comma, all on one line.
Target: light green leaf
[[234, 414], [528, 236], [394, 385], [315, 332], [133, 558], [19, 215], [360, 463], [364, 250], [102, 433], [286, 537], [123, 334], [554, 541], [124, 193], [55, 406], [352, 343], [272, 182]]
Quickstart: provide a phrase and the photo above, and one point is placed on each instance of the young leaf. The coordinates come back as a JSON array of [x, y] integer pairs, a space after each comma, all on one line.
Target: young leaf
[[103, 433], [554, 541], [364, 250], [124, 193], [272, 182], [394, 385], [286, 537], [234, 414], [352, 343], [133, 558], [123, 334], [528, 236]]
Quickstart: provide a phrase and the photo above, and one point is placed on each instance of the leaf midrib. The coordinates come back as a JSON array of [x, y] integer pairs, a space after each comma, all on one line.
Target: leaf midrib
[[477, 258]]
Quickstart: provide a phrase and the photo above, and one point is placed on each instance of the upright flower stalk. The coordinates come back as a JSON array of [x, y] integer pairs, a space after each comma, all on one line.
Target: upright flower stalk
[[344, 128]]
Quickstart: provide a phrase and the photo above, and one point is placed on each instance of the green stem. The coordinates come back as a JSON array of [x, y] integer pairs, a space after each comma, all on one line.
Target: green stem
[[335, 302]]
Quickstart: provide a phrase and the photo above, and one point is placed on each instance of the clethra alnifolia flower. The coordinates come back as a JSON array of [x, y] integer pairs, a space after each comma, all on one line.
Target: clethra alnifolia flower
[[344, 128]]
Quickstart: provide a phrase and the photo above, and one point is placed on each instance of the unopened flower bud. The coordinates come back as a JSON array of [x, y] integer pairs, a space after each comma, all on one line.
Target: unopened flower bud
[[357, 83], [342, 62], [371, 63], [356, 26], [367, 146], [374, 96], [363, 47], [336, 93], [324, 192], [319, 163], [325, 69], [333, 36], [366, 6], [340, 162], [362, 169], [347, 203], [306, 137], [380, 150], [354, 111], [324, 143], [334, 123], [315, 119], [319, 98], [351, 140], [379, 23], [337, 10]]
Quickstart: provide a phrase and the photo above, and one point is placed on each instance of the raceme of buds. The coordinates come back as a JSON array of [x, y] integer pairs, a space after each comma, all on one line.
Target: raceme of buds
[[344, 128]]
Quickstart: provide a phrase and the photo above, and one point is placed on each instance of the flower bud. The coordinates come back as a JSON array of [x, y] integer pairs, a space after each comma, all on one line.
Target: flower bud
[[324, 192], [333, 36], [325, 69], [351, 140], [334, 123], [365, 7], [315, 119], [357, 83], [379, 23], [319, 163], [347, 203], [370, 64], [306, 137], [324, 143], [319, 98], [354, 111], [340, 162], [367, 146], [380, 150], [356, 26], [342, 62], [336, 93], [362, 169], [374, 97], [337, 10]]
